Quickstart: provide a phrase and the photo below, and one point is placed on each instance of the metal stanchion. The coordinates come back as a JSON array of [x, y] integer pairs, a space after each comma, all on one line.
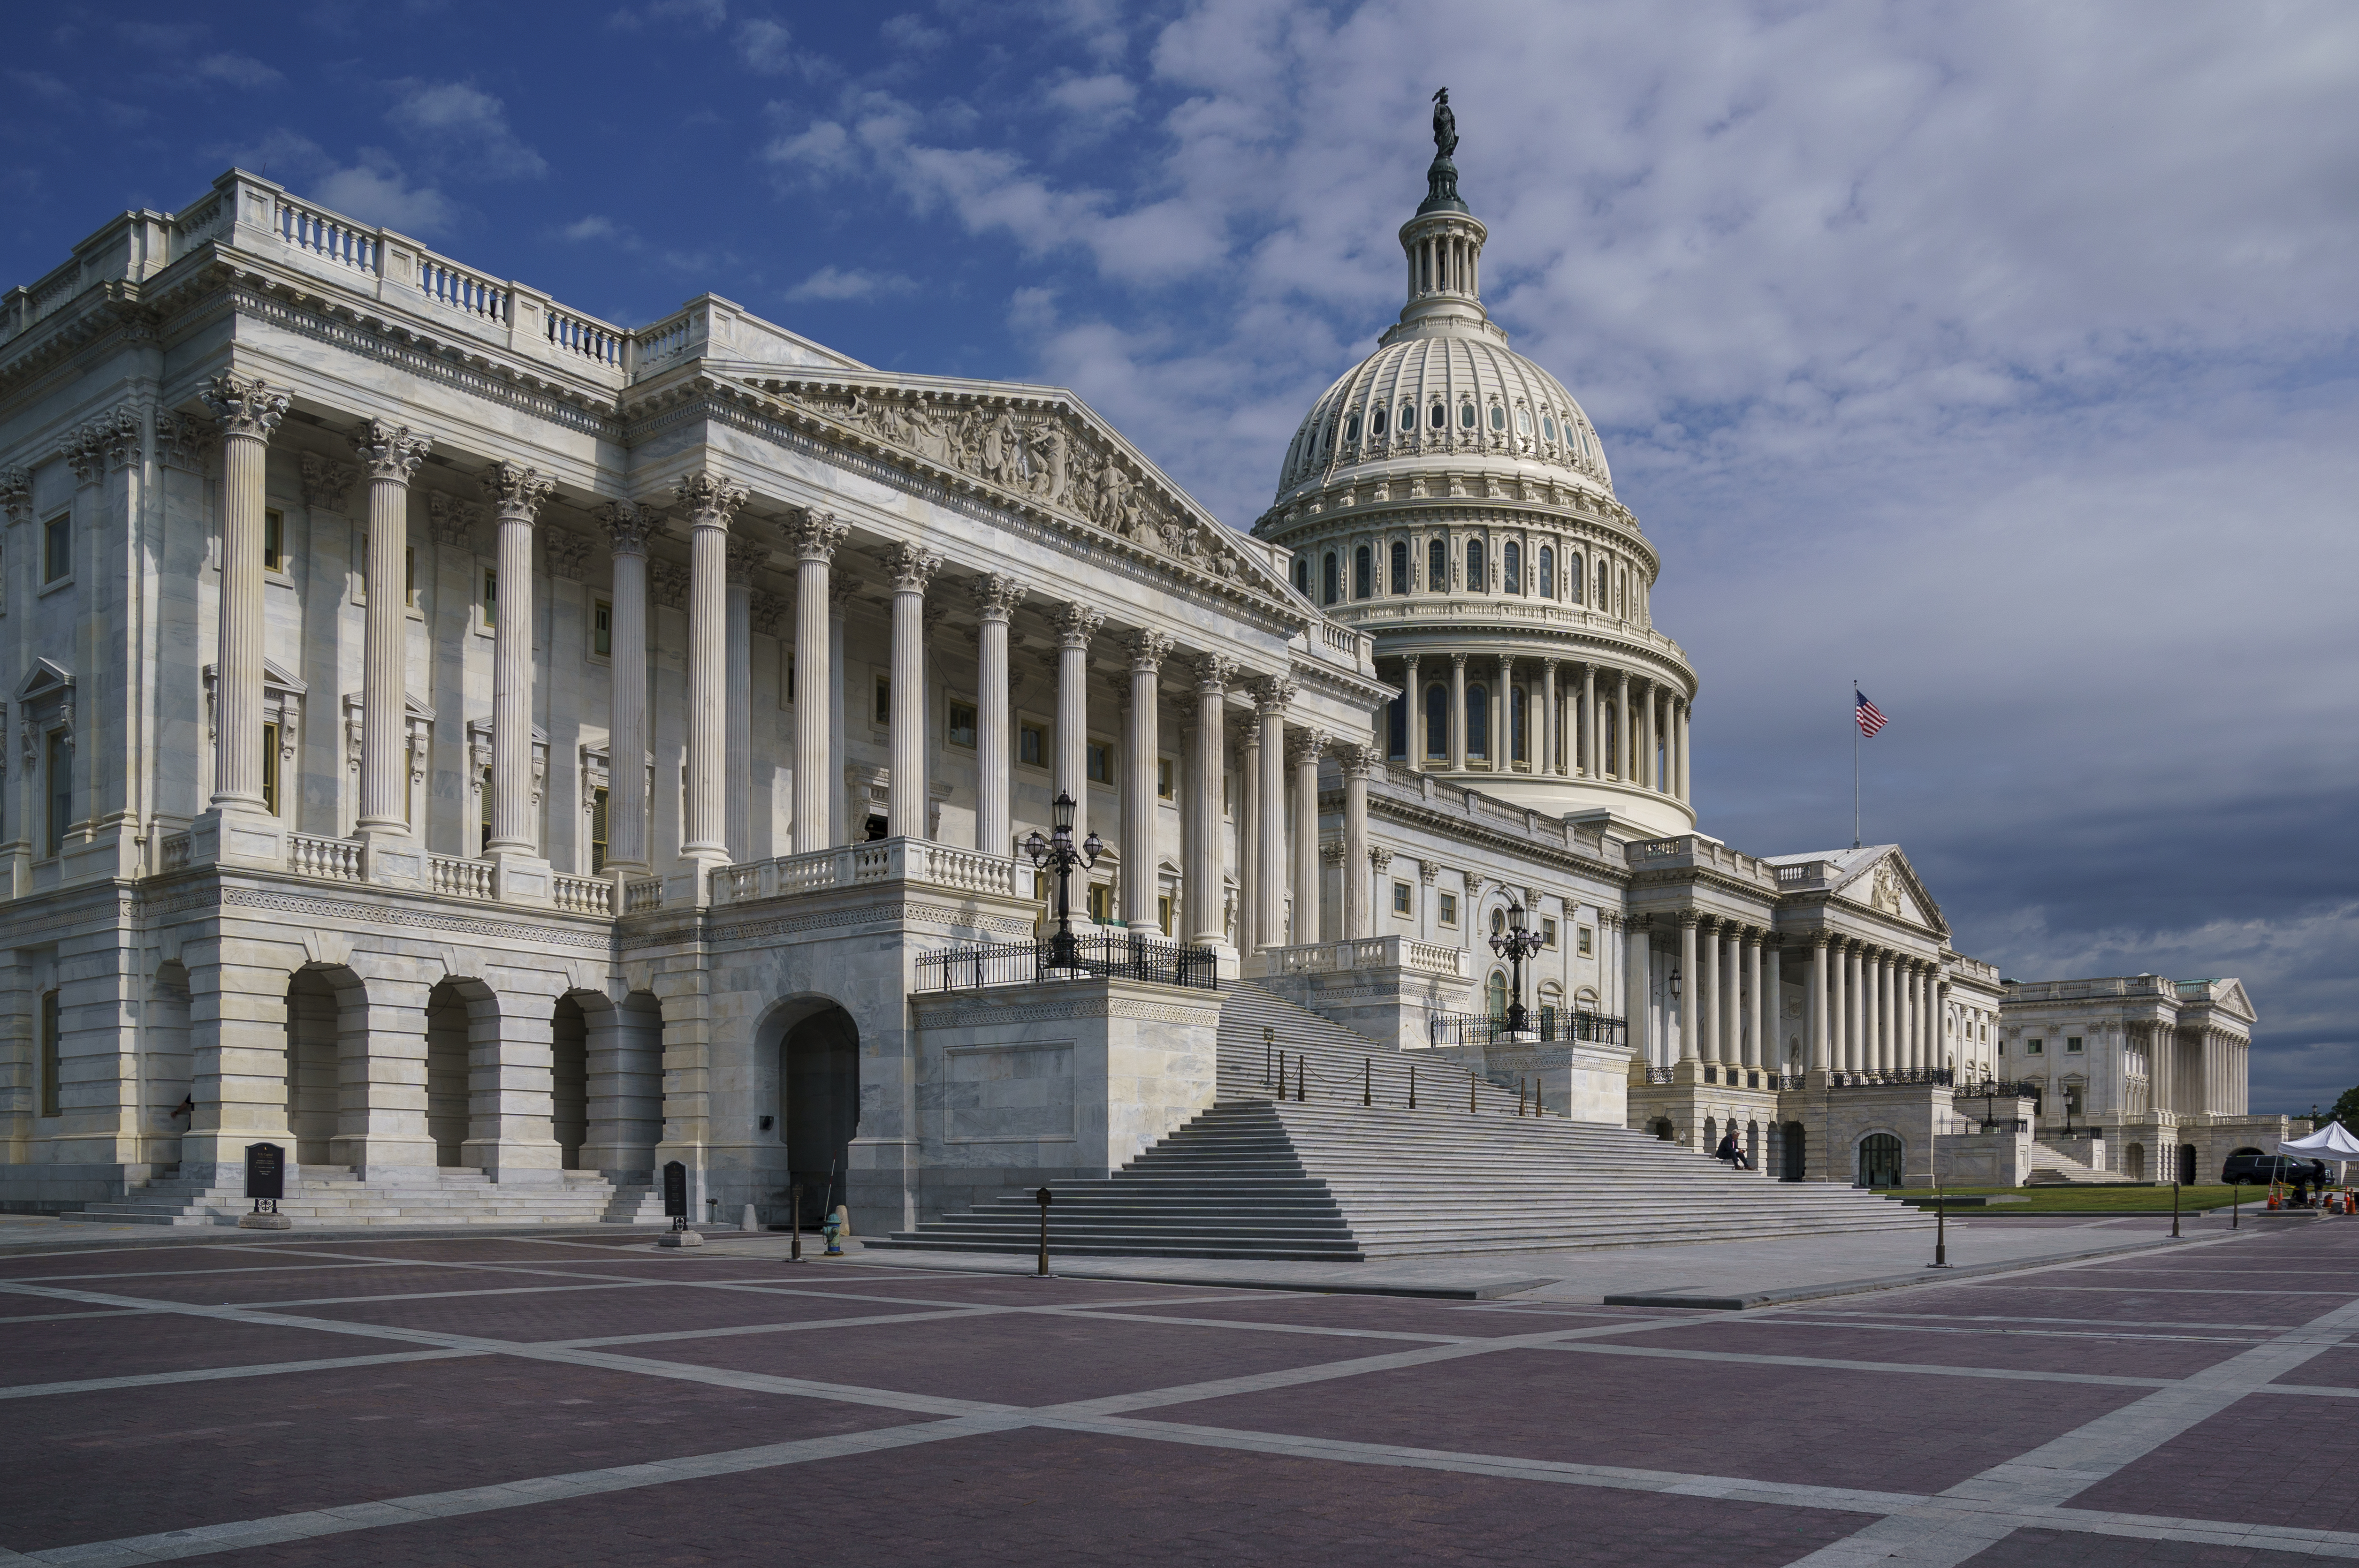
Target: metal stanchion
[[1412, 1086], [1367, 1080], [1269, 1044], [2174, 1208], [1041, 1197], [1941, 1228], [1301, 1075], [1470, 1094], [795, 1203]]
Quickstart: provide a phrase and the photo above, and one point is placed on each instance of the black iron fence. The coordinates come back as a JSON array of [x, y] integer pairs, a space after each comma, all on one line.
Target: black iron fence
[[1111, 955], [1549, 1025], [1878, 1077]]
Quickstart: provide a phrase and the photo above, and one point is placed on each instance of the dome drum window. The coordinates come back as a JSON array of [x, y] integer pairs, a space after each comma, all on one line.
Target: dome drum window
[[1498, 418], [1511, 566], [1466, 417], [1477, 578], [1376, 421], [1351, 429], [1437, 566], [1547, 426], [1441, 417]]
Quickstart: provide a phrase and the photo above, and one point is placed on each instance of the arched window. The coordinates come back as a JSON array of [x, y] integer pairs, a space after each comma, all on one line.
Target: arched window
[[1547, 426], [1572, 589], [1400, 565], [1440, 418], [1376, 421], [1466, 417], [1397, 727], [1495, 993], [1478, 721], [1523, 421], [1363, 570], [1330, 581], [1351, 429], [1477, 578], [1302, 576], [1498, 418], [1601, 587], [1437, 721], [1546, 578], [1516, 725], [1511, 564], [1437, 566]]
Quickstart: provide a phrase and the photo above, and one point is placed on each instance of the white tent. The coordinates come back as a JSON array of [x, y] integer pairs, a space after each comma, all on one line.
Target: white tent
[[2329, 1142]]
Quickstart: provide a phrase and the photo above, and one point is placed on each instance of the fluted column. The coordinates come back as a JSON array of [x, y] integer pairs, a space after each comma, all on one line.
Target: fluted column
[[1855, 1058], [1413, 730], [1731, 976], [390, 455], [516, 493], [1626, 748], [1688, 988], [1589, 768], [1304, 751], [995, 598], [1755, 1056], [743, 555], [814, 535], [912, 568], [1771, 1012], [1502, 723], [1547, 759], [247, 411], [1270, 699], [1684, 711], [628, 527], [1458, 713], [1076, 624], [1250, 872], [1705, 981], [1202, 893], [1358, 762], [1887, 1032], [1817, 1003], [710, 502], [1140, 881]]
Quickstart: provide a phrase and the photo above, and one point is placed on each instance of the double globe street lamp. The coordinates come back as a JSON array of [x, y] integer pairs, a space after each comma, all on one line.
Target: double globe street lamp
[[1516, 944], [1059, 851]]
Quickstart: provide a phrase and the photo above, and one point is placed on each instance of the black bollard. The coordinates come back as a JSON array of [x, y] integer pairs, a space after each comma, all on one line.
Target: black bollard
[[1269, 1042], [1301, 1075], [795, 1204], [1367, 1080], [2174, 1207], [1412, 1086], [1470, 1094], [1941, 1228], [1041, 1197]]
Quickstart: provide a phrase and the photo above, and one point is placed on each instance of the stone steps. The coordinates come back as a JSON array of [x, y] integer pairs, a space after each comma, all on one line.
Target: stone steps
[[2052, 1167], [1326, 1177], [336, 1197]]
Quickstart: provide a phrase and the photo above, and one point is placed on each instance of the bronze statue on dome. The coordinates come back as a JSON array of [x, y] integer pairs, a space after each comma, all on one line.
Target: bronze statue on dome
[[1445, 125]]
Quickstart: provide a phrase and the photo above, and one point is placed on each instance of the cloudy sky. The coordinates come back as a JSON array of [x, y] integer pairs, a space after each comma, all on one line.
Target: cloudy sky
[[1999, 356]]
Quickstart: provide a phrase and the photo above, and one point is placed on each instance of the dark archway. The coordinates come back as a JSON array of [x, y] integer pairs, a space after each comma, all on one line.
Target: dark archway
[[1879, 1161], [569, 1081], [1661, 1128], [1796, 1152], [819, 1105], [311, 1090], [448, 1020], [2186, 1164]]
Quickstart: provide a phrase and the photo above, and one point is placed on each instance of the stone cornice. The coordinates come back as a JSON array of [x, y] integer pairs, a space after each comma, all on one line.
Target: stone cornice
[[1352, 510], [1412, 813]]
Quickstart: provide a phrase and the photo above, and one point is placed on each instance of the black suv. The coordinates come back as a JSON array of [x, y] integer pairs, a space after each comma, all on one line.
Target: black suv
[[2259, 1170]]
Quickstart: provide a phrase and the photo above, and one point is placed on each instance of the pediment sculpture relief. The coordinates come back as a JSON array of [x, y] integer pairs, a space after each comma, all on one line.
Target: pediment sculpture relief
[[1885, 894]]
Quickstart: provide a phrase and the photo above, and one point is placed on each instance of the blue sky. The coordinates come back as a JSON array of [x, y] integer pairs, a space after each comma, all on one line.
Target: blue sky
[[2002, 356]]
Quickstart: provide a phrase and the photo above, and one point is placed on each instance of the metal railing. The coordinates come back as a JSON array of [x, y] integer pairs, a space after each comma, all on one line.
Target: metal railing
[[1882, 1078], [1999, 1088], [1111, 955], [1658, 1075], [1547, 1026]]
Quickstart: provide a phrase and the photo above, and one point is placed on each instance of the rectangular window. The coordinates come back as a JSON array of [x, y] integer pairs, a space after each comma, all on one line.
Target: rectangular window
[[274, 540], [2071, 1043], [881, 711], [270, 769], [1163, 786], [50, 1054], [2033, 1047], [960, 730], [1401, 896], [597, 831], [1031, 745], [57, 548], [1101, 762], [491, 595], [1102, 904], [1548, 932], [1163, 913], [1449, 909], [59, 759], [601, 629], [1586, 942]]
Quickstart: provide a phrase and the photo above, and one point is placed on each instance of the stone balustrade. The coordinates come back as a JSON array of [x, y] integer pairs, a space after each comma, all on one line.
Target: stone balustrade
[[1365, 953], [583, 895], [456, 878], [916, 860], [334, 860]]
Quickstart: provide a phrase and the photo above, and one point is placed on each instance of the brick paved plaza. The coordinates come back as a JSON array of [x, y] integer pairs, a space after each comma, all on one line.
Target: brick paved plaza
[[514, 1402]]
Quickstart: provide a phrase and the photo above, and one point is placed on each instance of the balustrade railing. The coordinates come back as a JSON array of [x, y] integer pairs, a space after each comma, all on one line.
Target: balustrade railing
[[1658, 1075], [582, 895], [456, 878], [1548, 1026], [1119, 956], [330, 238], [918, 861], [579, 335], [641, 895], [446, 283], [172, 854], [336, 859], [1880, 1077]]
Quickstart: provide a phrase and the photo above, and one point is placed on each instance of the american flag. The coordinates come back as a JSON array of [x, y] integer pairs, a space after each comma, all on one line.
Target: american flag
[[1870, 720]]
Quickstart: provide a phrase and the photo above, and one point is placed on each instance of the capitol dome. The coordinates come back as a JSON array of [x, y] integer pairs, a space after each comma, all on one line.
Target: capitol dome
[[1448, 497]]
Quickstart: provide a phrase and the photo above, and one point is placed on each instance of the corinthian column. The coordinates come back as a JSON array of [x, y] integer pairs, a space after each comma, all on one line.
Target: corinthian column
[[1076, 624], [1687, 987], [912, 568], [815, 536], [1546, 763], [247, 412], [390, 454], [1206, 928], [1304, 752], [516, 493], [1139, 878], [628, 527], [995, 598], [1358, 762], [710, 502], [1413, 744], [1271, 698], [1457, 713], [1705, 983], [743, 555]]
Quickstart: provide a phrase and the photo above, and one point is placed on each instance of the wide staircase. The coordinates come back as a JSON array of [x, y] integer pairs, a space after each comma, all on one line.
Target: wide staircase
[[1319, 1174], [2054, 1168], [332, 1197]]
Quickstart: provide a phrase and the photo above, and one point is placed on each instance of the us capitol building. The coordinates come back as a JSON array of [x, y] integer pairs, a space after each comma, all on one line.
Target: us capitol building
[[494, 753]]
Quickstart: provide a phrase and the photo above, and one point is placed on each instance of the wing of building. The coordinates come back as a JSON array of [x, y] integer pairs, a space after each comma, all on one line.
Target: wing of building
[[495, 755]]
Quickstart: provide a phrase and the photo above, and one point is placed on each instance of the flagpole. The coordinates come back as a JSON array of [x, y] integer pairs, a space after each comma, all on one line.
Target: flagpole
[[1854, 762]]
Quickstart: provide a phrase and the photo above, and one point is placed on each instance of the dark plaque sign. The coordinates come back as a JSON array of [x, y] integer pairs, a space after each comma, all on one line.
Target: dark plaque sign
[[676, 1190], [266, 1171]]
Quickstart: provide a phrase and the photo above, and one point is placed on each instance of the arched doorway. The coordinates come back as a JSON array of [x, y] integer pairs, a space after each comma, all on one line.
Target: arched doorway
[[1797, 1144], [2134, 1161], [448, 1019], [1879, 1161], [1661, 1128], [2186, 1164], [819, 1105], [569, 1081], [312, 1091]]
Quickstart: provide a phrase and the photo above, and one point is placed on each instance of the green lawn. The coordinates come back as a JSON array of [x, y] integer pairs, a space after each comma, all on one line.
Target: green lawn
[[2112, 1199]]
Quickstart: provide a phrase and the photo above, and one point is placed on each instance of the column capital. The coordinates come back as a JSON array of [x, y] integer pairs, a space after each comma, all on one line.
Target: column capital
[[325, 483], [841, 586], [1689, 919], [711, 500], [1077, 624], [766, 611], [1333, 851], [742, 555], [17, 493], [1147, 651], [628, 526], [1457, 660], [1357, 761], [515, 491], [243, 407], [1473, 882], [386, 451], [1428, 871], [996, 595], [453, 520], [1305, 746], [1213, 673], [815, 534], [1272, 694], [912, 568], [1548, 665], [1380, 858]]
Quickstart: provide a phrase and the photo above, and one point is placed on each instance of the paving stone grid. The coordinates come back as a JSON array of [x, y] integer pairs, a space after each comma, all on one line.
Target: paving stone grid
[[518, 1401]]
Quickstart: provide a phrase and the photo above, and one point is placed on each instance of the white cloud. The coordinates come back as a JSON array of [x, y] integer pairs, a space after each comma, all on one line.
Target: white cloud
[[594, 227], [465, 127], [1107, 97], [839, 283], [763, 46], [824, 149], [380, 193], [910, 32], [236, 70]]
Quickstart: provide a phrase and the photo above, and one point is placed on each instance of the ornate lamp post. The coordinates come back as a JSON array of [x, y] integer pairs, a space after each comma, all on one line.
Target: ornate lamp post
[[1059, 850], [1515, 945]]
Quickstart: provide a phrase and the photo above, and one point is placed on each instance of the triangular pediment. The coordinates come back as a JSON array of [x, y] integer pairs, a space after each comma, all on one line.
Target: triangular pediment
[[2230, 997], [274, 678], [45, 678], [1884, 881]]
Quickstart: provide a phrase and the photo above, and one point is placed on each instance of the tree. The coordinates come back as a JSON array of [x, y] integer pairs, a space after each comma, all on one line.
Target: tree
[[2346, 1112]]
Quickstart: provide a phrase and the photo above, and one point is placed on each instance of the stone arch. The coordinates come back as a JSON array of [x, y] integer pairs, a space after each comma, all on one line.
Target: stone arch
[[623, 1083], [1661, 1128], [2134, 1161], [807, 1047], [171, 1083], [1879, 1159], [327, 1042], [462, 1029]]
